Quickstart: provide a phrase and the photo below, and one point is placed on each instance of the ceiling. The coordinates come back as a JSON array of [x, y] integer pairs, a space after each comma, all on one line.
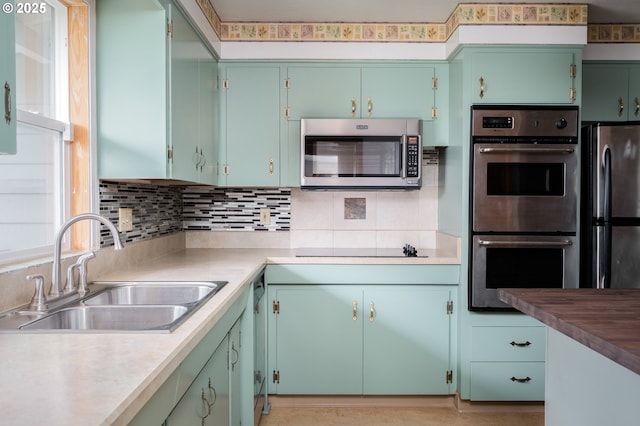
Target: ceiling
[[423, 11]]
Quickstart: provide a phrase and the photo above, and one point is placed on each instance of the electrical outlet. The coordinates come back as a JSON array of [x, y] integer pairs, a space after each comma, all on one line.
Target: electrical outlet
[[125, 220], [265, 216]]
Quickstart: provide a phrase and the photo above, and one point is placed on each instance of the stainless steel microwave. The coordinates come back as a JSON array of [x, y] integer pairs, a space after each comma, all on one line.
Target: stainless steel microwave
[[373, 153]]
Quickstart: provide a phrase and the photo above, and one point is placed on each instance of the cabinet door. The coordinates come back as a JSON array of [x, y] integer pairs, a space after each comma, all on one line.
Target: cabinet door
[[234, 373], [8, 84], [605, 92], [525, 77], [206, 401], [406, 340], [319, 340], [183, 102], [634, 93], [131, 84], [252, 126], [324, 92], [403, 92]]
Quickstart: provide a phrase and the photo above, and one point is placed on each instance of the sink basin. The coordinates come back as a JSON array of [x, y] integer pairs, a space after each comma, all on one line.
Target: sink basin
[[111, 318], [118, 306], [154, 293]]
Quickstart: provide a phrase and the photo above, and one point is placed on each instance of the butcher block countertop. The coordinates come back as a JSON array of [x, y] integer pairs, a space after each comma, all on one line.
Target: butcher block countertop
[[605, 320]]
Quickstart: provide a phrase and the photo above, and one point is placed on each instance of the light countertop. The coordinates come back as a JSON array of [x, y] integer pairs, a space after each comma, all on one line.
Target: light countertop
[[106, 378]]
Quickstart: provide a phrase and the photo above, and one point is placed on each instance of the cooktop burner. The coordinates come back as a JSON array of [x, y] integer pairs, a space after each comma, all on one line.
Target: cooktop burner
[[406, 251]]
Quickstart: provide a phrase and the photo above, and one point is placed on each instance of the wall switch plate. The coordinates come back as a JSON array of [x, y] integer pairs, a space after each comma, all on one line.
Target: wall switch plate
[[125, 219], [265, 216]]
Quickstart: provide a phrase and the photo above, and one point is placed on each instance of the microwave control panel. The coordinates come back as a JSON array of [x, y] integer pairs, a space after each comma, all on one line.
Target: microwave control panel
[[412, 156]]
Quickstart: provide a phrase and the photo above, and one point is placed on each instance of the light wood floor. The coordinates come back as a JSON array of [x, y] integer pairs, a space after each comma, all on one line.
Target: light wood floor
[[302, 412]]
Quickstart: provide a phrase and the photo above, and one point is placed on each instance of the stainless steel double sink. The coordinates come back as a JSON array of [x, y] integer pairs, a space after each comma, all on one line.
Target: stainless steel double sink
[[127, 306]]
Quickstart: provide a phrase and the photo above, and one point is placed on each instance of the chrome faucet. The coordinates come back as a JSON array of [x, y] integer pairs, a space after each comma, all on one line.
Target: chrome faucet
[[56, 277]]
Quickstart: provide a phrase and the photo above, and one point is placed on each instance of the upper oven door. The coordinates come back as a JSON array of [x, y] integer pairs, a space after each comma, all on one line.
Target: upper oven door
[[524, 187]]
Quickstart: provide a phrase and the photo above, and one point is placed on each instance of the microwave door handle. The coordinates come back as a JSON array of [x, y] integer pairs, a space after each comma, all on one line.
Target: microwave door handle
[[404, 156], [516, 244]]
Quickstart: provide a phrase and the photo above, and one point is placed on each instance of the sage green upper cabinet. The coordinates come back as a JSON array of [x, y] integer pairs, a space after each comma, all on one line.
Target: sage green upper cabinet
[[334, 91], [193, 103], [536, 76], [323, 92], [250, 145], [8, 83], [611, 92], [398, 92], [156, 81]]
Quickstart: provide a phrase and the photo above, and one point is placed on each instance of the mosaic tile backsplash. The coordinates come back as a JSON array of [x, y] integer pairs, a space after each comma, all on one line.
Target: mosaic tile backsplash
[[157, 210], [236, 209], [163, 210]]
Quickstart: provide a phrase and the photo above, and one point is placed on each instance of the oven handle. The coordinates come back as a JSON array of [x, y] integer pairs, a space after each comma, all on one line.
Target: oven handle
[[496, 243], [528, 150]]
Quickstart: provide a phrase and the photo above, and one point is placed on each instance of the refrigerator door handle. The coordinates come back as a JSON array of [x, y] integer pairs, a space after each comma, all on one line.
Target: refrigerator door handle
[[604, 280]]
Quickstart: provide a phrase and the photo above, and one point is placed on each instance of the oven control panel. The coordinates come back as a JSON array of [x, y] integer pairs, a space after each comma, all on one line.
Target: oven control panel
[[524, 124]]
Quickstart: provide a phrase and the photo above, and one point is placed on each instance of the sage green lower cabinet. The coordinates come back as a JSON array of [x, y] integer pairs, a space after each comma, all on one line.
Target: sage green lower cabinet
[[351, 339], [214, 384], [379, 338], [507, 363], [207, 399]]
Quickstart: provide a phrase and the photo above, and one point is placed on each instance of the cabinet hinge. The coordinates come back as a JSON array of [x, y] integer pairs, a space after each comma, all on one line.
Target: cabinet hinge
[[170, 29], [276, 307], [287, 112], [434, 113], [434, 83], [170, 154], [573, 70], [572, 93], [225, 83], [450, 307], [276, 376], [287, 83], [449, 376]]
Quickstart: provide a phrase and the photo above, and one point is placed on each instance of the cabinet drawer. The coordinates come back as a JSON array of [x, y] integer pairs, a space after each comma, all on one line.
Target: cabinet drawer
[[507, 381], [508, 343]]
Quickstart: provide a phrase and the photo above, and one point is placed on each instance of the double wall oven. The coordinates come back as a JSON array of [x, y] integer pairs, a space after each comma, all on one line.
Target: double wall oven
[[524, 185]]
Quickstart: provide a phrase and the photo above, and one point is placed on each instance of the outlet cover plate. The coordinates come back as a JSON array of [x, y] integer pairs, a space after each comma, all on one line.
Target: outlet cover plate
[[125, 219]]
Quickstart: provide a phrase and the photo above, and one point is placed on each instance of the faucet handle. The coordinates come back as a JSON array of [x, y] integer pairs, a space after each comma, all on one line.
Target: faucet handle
[[70, 287], [82, 267], [39, 300]]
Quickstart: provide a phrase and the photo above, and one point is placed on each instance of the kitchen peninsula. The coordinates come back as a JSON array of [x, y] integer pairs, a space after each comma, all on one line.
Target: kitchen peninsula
[[593, 352]]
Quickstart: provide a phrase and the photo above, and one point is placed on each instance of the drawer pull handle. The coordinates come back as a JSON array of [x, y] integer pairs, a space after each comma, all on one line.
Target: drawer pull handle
[[525, 380], [355, 311], [521, 345]]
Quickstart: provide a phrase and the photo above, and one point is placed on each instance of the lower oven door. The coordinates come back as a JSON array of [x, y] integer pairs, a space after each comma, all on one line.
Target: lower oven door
[[525, 187], [520, 261]]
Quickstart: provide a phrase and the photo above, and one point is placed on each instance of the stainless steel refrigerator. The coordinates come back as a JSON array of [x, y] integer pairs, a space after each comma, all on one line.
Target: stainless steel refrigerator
[[610, 205]]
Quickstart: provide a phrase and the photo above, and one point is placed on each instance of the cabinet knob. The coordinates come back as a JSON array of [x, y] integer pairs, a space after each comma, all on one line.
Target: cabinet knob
[[369, 106], [353, 107]]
